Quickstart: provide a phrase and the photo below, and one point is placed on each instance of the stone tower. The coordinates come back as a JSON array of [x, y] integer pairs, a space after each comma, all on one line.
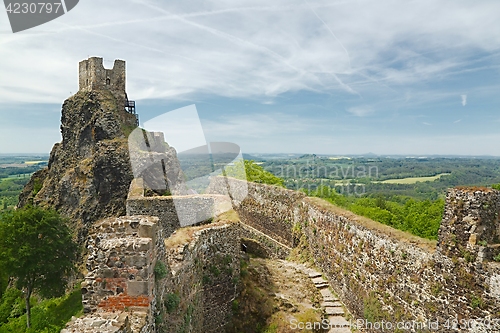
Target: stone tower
[[93, 76]]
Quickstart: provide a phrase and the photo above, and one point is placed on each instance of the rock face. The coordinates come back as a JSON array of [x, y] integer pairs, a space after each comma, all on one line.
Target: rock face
[[89, 172]]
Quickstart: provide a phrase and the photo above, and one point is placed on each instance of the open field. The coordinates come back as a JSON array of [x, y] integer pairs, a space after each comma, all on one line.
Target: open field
[[412, 180], [34, 162], [18, 176]]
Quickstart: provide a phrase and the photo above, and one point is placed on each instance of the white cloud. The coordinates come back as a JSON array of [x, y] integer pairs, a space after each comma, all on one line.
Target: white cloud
[[464, 100], [257, 125], [248, 49], [360, 111]]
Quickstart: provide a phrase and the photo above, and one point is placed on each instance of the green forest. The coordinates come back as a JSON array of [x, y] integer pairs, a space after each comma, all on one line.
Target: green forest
[[419, 217], [405, 193]]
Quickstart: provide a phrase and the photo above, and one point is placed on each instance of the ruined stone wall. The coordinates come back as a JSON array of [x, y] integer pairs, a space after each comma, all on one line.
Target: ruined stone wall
[[138, 281], [118, 290], [384, 274], [471, 223], [174, 211], [203, 276], [93, 76], [269, 209]]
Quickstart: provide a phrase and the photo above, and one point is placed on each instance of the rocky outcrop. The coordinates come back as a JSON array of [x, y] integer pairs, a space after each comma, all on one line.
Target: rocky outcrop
[[89, 172]]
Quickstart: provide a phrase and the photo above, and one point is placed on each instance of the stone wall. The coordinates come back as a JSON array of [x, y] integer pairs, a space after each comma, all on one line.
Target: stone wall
[[138, 281], [470, 223], [384, 274], [118, 290], [204, 273], [175, 211], [269, 209], [93, 76]]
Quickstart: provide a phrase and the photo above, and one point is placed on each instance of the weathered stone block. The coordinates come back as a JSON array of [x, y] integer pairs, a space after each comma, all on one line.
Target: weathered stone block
[[136, 288]]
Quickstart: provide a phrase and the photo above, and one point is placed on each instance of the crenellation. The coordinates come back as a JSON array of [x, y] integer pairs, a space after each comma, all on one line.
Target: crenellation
[[93, 75]]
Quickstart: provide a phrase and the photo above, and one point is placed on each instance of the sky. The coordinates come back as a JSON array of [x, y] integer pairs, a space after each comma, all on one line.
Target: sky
[[324, 77]]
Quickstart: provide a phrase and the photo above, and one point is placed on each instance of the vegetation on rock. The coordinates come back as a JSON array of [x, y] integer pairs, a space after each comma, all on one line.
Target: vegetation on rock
[[253, 173]]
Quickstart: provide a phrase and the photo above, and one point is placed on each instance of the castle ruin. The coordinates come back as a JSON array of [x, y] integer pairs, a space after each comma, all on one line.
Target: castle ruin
[[93, 76], [138, 263]]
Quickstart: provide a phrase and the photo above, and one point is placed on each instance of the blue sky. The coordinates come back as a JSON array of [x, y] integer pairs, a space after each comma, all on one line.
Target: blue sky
[[325, 77]]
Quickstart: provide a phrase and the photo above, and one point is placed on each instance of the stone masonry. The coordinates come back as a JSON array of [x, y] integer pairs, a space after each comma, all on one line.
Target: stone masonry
[[383, 274], [93, 76]]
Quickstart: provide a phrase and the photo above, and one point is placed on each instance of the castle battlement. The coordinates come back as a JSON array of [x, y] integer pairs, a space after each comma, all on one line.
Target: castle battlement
[[93, 75]]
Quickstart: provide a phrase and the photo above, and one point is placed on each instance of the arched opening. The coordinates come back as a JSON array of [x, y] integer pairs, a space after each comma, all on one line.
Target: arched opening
[[108, 81], [87, 81]]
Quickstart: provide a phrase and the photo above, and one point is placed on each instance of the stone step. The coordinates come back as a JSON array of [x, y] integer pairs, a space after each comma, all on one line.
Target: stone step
[[318, 280], [322, 285], [328, 295], [314, 274], [334, 311], [331, 304], [338, 322], [329, 298]]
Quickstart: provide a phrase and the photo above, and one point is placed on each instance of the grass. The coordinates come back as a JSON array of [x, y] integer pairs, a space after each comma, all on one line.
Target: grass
[[411, 180], [181, 236], [18, 176], [230, 215], [185, 235], [48, 316]]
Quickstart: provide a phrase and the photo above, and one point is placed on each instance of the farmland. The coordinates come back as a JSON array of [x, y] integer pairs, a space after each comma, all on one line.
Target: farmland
[[15, 171]]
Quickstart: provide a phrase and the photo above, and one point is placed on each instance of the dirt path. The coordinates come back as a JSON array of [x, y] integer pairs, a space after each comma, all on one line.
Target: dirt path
[[281, 296]]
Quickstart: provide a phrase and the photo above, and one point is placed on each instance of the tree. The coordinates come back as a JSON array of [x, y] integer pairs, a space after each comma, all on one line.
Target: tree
[[253, 173], [37, 250]]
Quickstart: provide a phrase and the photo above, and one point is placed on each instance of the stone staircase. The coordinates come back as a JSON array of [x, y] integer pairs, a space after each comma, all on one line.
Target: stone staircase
[[333, 307]]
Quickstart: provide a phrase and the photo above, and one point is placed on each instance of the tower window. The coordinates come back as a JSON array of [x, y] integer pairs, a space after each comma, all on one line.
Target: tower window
[[87, 81], [108, 81]]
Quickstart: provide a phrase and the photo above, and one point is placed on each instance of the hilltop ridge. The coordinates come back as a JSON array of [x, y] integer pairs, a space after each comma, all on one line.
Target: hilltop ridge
[[89, 172]]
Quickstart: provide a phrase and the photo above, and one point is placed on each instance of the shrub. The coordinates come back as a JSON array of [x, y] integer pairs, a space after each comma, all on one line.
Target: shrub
[[172, 302], [160, 270]]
